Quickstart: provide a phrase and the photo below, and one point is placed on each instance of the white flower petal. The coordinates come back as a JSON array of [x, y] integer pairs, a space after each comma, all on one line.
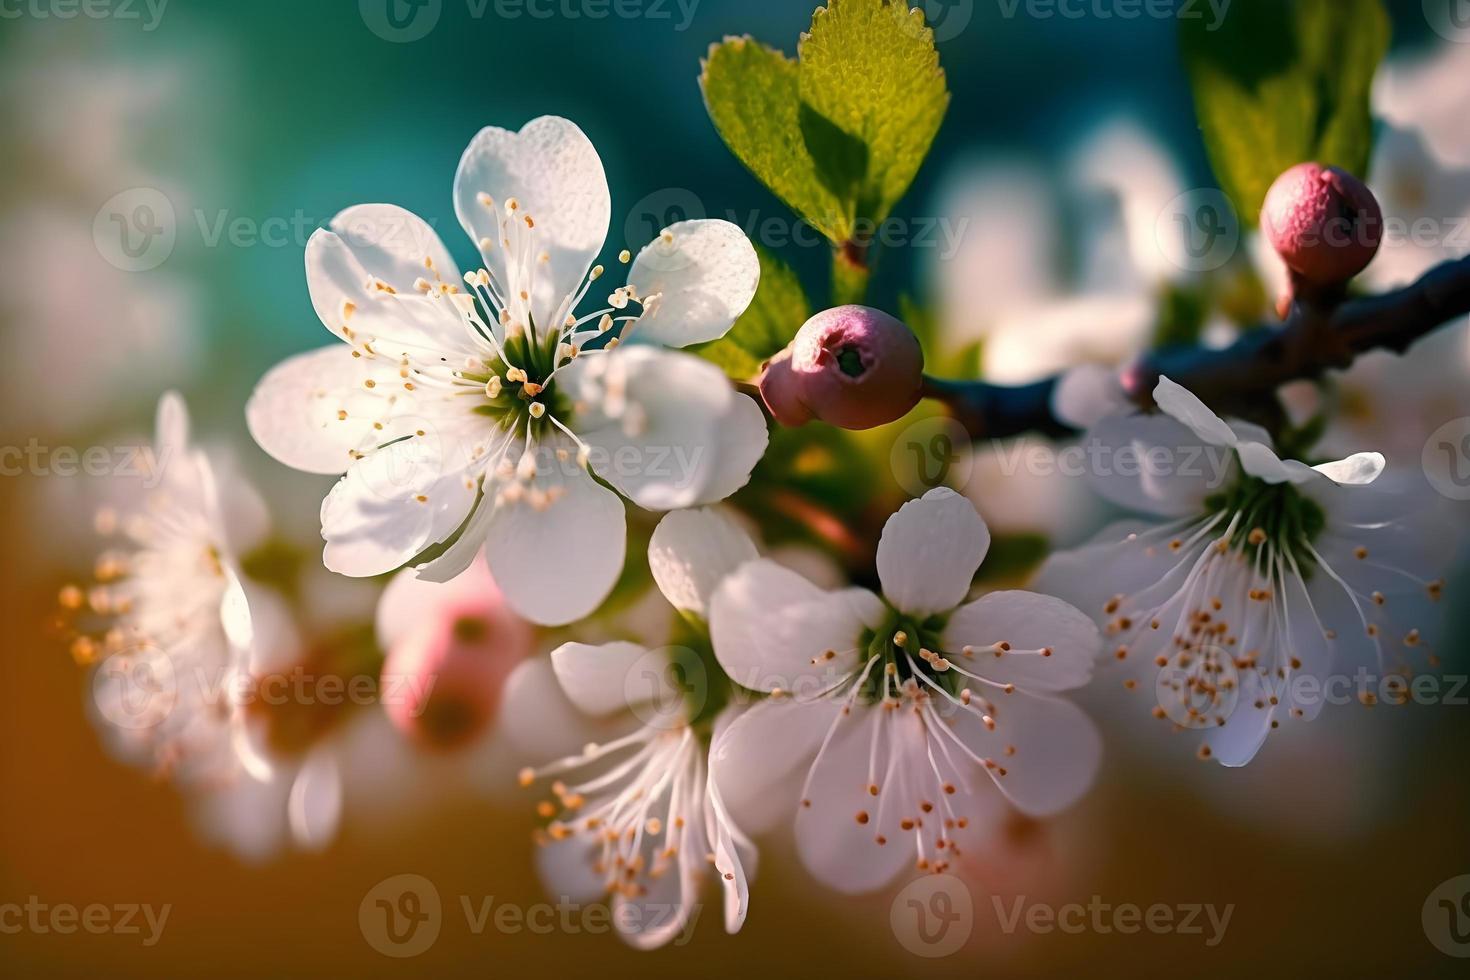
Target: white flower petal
[[1356, 470], [929, 552], [1057, 749], [395, 245], [539, 722], [1027, 622], [1087, 394], [171, 426], [556, 551], [691, 551], [1236, 742], [1113, 563], [656, 917], [392, 505], [735, 856], [467, 550], [836, 835], [363, 274], [759, 761], [1155, 464], [244, 520], [705, 274], [554, 173], [769, 624], [296, 413], [567, 869], [1180, 403], [595, 677], [1306, 641], [1261, 461], [314, 807], [652, 418], [743, 438]]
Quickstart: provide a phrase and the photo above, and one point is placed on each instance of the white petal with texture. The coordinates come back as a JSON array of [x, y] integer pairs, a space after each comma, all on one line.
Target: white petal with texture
[[557, 559], [692, 551], [1057, 749], [1051, 645], [1181, 403], [312, 411], [652, 419], [553, 172], [705, 274], [392, 505], [595, 678], [929, 552], [768, 625]]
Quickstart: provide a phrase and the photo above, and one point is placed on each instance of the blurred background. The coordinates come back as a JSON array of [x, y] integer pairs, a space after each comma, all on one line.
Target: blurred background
[[165, 165]]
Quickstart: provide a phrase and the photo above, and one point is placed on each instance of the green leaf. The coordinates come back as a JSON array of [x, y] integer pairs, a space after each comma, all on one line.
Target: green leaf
[[838, 133], [750, 91], [1281, 82], [873, 96], [779, 309]]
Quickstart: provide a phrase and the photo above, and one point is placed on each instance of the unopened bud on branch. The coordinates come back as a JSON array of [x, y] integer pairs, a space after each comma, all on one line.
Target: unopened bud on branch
[[1324, 223], [850, 366]]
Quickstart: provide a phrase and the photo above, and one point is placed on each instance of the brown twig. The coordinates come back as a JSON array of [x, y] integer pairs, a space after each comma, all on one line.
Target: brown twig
[[1242, 378]]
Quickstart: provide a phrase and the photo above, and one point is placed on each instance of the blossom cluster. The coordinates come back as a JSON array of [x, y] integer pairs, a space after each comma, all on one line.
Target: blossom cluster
[[492, 430]]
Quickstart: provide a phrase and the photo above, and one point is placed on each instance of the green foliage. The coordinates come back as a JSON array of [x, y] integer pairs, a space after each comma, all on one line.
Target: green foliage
[[818, 463], [779, 309], [1280, 82], [839, 132], [751, 93], [1184, 310], [872, 98]]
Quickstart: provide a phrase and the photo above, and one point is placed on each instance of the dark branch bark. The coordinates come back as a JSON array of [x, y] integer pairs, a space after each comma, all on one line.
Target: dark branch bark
[[1242, 378]]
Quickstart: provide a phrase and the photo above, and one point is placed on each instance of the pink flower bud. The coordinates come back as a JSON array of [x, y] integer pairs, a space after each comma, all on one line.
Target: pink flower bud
[[849, 366], [1324, 223], [442, 680]]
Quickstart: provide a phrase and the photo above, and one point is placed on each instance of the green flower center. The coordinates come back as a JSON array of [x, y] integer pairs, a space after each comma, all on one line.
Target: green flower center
[[909, 650], [1274, 513], [525, 392]]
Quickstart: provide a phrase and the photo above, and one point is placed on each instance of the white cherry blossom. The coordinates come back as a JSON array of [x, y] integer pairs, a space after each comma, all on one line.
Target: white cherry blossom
[[167, 622], [632, 811], [466, 411], [1253, 579], [897, 713]]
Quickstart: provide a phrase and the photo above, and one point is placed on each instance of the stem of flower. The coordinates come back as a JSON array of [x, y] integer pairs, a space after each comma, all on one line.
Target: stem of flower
[[1238, 379], [850, 273]]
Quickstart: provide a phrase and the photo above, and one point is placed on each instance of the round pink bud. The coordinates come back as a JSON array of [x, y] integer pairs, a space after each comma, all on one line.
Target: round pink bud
[[442, 680], [850, 366], [1324, 223]]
